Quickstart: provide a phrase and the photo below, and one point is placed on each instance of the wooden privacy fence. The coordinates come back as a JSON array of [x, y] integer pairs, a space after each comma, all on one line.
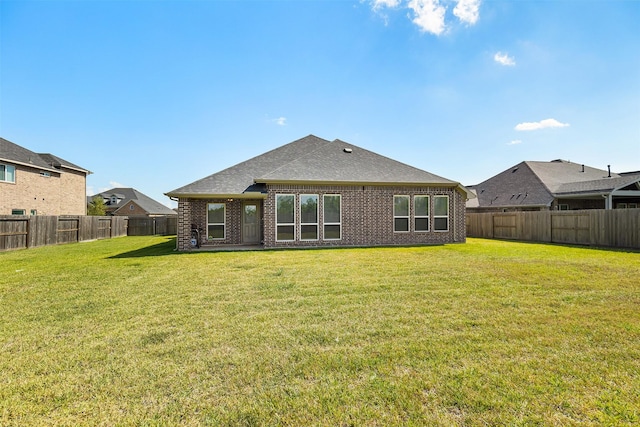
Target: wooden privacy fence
[[19, 232], [618, 228], [163, 225]]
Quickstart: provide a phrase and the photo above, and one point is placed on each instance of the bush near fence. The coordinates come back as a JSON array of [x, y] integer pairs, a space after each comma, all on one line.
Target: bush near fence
[[619, 228], [19, 231]]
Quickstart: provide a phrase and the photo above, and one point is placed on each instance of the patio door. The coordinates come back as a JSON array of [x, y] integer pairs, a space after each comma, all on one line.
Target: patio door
[[251, 222]]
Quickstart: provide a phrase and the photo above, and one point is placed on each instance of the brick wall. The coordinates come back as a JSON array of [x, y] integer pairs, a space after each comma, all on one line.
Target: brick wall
[[58, 194], [367, 217]]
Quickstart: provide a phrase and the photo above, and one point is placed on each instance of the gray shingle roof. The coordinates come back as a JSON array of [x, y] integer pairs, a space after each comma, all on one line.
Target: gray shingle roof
[[597, 186], [151, 206], [12, 152], [310, 159], [533, 183], [560, 172]]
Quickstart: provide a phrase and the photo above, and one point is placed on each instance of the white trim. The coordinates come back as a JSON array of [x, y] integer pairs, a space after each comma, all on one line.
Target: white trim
[[224, 223], [448, 216], [422, 216], [408, 216], [6, 166], [317, 223], [292, 224], [325, 223]]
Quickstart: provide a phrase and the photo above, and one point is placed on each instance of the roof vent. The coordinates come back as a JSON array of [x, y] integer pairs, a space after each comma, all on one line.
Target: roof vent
[[347, 150]]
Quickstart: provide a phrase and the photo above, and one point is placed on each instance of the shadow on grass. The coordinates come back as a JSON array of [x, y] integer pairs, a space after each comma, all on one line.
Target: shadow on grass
[[161, 249]]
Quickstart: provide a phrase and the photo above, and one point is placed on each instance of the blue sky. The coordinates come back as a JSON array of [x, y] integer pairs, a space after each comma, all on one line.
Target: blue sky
[[156, 94]]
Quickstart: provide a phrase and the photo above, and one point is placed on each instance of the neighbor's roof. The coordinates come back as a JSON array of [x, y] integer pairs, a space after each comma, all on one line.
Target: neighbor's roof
[[556, 173], [145, 202], [310, 160], [534, 183], [605, 185], [14, 153]]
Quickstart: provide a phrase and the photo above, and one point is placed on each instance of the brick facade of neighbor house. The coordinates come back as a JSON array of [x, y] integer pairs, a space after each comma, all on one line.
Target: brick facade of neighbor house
[[44, 192], [40, 183], [367, 217]]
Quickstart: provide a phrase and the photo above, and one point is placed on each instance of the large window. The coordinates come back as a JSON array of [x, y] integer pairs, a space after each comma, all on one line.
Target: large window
[[309, 217], [441, 213], [421, 213], [401, 214], [285, 217], [7, 173], [216, 221], [332, 217]]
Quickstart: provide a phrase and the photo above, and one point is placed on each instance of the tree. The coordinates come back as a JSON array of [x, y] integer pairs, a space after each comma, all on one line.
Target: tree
[[97, 207]]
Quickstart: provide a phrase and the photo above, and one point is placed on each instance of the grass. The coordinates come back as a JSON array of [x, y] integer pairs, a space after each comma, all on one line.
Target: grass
[[128, 332]]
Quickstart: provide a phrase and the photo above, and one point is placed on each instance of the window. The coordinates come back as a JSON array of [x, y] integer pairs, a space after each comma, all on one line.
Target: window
[[633, 206], [131, 207], [34, 212], [7, 173], [285, 215], [441, 213], [421, 213], [563, 207], [45, 174], [216, 221], [18, 212], [309, 217], [401, 214], [332, 217]]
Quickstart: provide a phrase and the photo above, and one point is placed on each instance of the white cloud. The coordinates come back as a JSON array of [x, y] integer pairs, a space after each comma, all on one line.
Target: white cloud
[[542, 124], [115, 184], [515, 142], [280, 121], [379, 4], [429, 15], [467, 11], [504, 59]]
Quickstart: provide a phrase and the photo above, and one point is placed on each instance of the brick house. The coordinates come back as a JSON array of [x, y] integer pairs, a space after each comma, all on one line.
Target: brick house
[[39, 184], [555, 185], [317, 193], [127, 201]]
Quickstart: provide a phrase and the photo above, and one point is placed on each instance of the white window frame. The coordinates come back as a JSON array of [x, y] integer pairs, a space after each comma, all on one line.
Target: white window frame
[[427, 216], [18, 212], [317, 223], [408, 216], [326, 223], [223, 223], [435, 217], [291, 224], [13, 174]]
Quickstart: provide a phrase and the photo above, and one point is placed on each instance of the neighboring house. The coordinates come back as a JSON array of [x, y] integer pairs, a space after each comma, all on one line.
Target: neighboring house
[[555, 185], [313, 192], [131, 202], [39, 184]]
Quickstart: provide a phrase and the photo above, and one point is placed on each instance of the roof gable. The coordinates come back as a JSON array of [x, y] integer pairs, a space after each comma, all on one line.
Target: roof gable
[[146, 203], [516, 186], [556, 173], [310, 159]]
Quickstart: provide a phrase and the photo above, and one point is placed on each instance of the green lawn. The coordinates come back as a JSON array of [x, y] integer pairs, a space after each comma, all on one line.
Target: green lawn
[[129, 332]]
